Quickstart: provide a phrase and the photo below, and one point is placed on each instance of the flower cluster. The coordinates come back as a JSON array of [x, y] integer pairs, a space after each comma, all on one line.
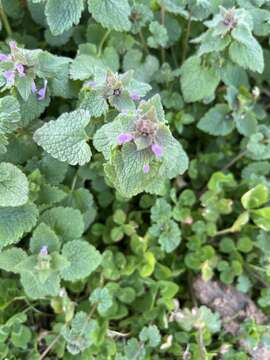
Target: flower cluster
[[145, 131], [19, 69]]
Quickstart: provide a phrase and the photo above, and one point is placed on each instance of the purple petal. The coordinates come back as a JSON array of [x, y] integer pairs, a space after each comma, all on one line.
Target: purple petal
[[146, 168], [20, 69], [33, 87], [135, 97], [91, 83], [124, 138], [4, 57], [43, 251], [157, 150], [9, 75], [42, 91]]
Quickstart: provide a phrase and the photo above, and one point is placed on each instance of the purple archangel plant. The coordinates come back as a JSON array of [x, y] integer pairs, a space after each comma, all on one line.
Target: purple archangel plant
[[140, 150]]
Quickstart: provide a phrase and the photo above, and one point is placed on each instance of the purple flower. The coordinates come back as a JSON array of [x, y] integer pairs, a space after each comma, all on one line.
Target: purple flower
[[135, 97], [124, 138], [20, 69], [42, 91], [43, 251], [13, 44], [91, 83], [9, 75], [157, 150], [33, 87], [4, 57], [146, 168]]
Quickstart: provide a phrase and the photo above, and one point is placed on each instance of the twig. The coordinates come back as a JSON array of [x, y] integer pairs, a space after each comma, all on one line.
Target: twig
[[185, 44], [49, 348], [5, 20], [234, 160]]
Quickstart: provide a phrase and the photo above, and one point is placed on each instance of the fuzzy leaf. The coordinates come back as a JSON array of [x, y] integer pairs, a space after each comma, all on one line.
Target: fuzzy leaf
[[83, 258], [36, 289], [10, 258], [44, 236], [66, 222], [15, 222], [13, 186], [9, 114], [65, 138], [198, 81], [112, 14], [61, 15], [217, 121]]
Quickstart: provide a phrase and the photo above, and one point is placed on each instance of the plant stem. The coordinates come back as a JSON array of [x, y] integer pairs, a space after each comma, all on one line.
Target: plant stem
[[162, 22], [48, 349], [5, 20], [234, 160], [143, 42], [185, 44], [200, 343], [223, 232], [105, 37]]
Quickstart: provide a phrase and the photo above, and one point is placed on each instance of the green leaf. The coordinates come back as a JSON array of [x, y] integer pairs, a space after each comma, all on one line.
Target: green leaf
[[261, 218], [219, 180], [13, 186], [246, 51], [151, 335], [161, 211], [170, 237], [9, 114], [103, 298], [198, 81], [83, 257], [61, 15], [36, 289], [159, 35], [82, 67], [15, 222], [65, 138], [240, 222], [23, 85], [80, 334], [255, 197], [93, 102], [10, 258], [112, 14], [66, 222], [217, 121], [83, 200], [43, 235]]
